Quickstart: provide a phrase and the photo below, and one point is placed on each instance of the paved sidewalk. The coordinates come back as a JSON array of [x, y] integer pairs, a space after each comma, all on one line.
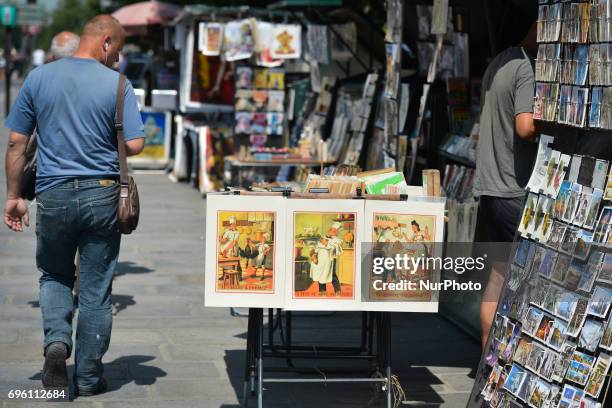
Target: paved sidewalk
[[167, 350]]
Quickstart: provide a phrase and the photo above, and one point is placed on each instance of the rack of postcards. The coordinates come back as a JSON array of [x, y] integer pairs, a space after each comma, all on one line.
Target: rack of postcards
[[573, 63], [552, 336]]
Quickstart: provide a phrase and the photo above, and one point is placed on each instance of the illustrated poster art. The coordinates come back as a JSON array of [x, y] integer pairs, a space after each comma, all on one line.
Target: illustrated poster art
[[323, 254], [409, 228], [244, 248], [157, 130]]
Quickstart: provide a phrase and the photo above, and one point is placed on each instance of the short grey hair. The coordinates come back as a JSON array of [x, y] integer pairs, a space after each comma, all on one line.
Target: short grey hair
[[64, 44]]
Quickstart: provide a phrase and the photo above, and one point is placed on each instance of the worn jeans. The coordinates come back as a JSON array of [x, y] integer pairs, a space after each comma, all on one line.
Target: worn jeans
[[78, 214]]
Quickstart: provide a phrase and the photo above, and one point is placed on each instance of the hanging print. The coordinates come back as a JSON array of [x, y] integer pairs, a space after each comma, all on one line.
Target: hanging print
[[287, 41]]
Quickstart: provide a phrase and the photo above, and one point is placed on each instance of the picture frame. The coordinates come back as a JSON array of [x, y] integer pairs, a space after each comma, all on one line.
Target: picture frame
[[157, 131]]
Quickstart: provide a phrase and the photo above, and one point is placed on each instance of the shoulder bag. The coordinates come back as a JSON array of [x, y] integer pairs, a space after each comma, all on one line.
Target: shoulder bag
[[128, 209]]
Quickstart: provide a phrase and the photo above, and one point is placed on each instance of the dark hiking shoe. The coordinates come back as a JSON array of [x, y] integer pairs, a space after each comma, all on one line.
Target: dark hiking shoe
[[54, 373], [89, 392]]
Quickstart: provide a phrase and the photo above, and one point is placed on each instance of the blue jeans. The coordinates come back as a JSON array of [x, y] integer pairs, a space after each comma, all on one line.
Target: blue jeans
[[78, 214]]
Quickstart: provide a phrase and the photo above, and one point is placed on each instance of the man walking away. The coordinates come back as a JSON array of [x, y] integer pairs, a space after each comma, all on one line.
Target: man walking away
[[72, 103], [505, 156], [63, 45]]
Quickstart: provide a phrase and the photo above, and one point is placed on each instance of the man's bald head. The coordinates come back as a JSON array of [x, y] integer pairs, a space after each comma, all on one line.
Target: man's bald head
[[102, 39], [104, 25], [64, 44]]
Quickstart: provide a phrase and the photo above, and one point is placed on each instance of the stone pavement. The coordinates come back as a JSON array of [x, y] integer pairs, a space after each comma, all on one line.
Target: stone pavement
[[167, 350]]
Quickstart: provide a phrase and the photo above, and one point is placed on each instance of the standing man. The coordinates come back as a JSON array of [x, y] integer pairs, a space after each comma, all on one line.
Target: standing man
[[505, 155], [63, 45], [72, 103]]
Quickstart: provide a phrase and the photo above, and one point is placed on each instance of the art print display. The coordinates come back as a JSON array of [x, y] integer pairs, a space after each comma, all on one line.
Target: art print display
[[323, 262], [286, 41], [157, 132], [238, 40], [244, 251], [402, 228]]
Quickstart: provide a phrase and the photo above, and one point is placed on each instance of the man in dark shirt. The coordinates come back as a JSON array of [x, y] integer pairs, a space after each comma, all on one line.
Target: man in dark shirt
[[505, 155]]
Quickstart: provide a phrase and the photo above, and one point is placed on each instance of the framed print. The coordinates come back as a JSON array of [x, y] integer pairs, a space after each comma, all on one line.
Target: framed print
[[244, 251], [323, 254], [157, 130], [409, 229]]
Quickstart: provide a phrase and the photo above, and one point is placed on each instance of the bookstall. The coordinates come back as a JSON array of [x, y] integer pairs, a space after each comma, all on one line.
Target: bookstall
[[551, 341], [303, 252]]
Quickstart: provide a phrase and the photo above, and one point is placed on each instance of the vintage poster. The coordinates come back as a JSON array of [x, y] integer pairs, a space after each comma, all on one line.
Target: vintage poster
[[263, 43], [244, 251], [157, 130], [323, 254], [411, 228], [286, 41]]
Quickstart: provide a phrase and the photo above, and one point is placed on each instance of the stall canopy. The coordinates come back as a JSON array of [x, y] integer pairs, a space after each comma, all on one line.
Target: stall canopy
[[136, 17]]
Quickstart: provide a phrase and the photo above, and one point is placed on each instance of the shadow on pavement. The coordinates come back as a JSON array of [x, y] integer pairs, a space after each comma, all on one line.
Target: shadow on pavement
[[124, 268], [123, 371]]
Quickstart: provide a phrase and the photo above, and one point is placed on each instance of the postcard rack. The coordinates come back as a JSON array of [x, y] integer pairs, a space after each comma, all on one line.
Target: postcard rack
[[374, 347]]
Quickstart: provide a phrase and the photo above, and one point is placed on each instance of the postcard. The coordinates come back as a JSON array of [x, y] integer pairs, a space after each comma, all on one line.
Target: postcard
[[553, 294], [244, 101], [561, 268], [562, 361], [589, 273], [539, 394], [543, 330], [562, 199], [556, 235], [526, 226], [275, 123], [582, 249], [324, 254], [565, 304], [489, 388], [571, 397], [527, 386], [605, 270], [579, 368], [599, 174], [515, 379], [591, 334], [608, 194], [557, 336], [523, 350], [586, 196], [259, 123], [260, 78], [600, 302], [558, 175], [243, 262], [572, 204], [606, 338], [276, 101], [593, 209], [595, 113], [547, 209], [536, 181], [276, 79], [532, 320], [578, 317]]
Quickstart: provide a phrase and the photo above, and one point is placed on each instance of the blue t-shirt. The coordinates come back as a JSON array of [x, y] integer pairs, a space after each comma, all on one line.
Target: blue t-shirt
[[72, 104]]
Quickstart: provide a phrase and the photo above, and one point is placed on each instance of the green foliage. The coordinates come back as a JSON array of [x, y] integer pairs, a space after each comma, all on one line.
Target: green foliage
[[70, 15]]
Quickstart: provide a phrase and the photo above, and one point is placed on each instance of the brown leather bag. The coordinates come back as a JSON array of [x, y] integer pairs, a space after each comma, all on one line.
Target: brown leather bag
[[128, 210]]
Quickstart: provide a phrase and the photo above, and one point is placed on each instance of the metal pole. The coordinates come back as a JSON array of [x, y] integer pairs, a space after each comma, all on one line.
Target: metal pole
[[260, 358], [387, 329], [7, 69]]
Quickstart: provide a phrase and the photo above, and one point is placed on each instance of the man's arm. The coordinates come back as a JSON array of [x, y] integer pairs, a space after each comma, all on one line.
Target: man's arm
[[525, 126], [16, 210], [134, 146]]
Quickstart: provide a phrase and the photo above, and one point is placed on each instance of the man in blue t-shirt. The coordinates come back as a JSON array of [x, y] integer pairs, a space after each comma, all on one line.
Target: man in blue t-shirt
[[72, 104]]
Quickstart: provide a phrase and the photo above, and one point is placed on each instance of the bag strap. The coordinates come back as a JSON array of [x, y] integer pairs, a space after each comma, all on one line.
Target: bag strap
[[123, 173]]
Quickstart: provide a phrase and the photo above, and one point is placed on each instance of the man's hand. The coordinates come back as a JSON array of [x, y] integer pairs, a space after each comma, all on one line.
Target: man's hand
[[16, 214]]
